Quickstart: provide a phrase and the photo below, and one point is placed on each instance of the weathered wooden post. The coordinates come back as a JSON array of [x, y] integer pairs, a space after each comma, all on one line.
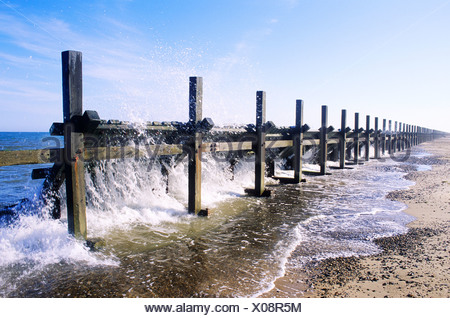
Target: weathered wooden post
[[260, 147], [356, 139], [411, 130], [394, 140], [260, 151], [383, 143], [390, 138], [195, 151], [408, 134], [367, 143], [399, 137], [415, 135], [323, 149], [73, 143], [343, 142], [411, 135], [419, 135], [377, 140], [298, 140], [404, 137]]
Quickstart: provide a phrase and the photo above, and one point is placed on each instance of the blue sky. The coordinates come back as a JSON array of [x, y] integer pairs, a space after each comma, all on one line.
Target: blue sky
[[381, 58]]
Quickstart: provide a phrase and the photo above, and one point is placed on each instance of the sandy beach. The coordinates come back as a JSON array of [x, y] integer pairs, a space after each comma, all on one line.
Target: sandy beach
[[416, 264]]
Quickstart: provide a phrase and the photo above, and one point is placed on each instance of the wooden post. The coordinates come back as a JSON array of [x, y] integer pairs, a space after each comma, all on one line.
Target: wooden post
[[390, 138], [377, 140], [394, 140], [383, 143], [404, 137], [260, 151], [415, 136], [73, 143], [418, 135], [343, 142], [399, 137], [411, 135], [408, 136], [323, 150], [367, 145], [298, 138], [356, 139], [195, 153]]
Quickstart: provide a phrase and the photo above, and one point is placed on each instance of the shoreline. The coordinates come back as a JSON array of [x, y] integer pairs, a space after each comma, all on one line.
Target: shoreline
[[415, 264]]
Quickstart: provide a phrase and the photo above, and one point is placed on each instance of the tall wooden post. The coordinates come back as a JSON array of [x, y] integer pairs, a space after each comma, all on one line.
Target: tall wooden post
[[377, 140], [394, 140], [356, 139], [408, 136], [415, 135], [323, 150], [399, 137], [298, 140], [72, 89], [383, 142], [367, 144], [390, 138], [260, 151], [343, 142], [404, 137], [195, 153]]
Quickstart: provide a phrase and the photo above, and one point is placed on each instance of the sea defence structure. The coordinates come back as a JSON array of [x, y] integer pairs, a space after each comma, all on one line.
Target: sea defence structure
[[88, 139]]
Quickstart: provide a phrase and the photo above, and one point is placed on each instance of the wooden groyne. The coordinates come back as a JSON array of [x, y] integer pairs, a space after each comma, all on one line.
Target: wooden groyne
[[88, 139]]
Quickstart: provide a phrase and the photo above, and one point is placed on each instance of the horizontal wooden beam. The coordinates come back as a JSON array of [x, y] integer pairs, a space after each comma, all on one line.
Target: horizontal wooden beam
[[226, 146], [279, 143], [29, 157], [56, 155]]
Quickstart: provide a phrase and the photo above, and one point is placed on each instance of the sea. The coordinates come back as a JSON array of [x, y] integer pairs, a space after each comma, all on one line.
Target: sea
[[153, 248]]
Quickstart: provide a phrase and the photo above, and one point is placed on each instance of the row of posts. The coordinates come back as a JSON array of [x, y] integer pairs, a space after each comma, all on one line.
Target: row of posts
[[384, 140]]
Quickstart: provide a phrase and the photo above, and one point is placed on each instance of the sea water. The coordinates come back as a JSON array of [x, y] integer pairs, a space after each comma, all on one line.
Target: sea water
[[154, 248]]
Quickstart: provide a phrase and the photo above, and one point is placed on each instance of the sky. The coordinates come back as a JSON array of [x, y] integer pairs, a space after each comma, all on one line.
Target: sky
[[387, 59]]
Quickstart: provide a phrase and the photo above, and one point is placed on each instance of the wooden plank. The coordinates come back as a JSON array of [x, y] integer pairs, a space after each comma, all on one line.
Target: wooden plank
[[323, 149], [29, 157], [311, 142], [40, 173], [383, 142], [73, 143], [298, 138], [195, 149], [404, 136], [395, 138], [52, 183], [343, 142], [356, 140], [260, 150], [279, 143], [377, 140], [367, 139], [389, 145]]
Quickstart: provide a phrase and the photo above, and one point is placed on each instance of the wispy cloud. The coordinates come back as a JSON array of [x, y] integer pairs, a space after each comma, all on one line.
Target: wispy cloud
[[126, 75]]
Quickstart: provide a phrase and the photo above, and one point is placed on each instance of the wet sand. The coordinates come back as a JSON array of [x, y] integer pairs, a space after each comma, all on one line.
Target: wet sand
[[416, 264]]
